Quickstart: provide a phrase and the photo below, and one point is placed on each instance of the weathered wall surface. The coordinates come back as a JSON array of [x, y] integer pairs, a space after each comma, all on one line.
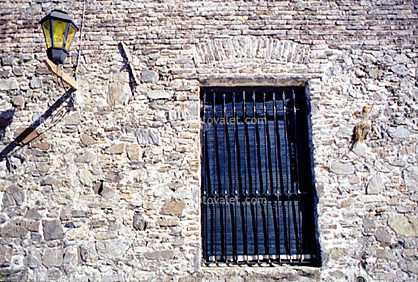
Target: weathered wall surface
[[107, 187]]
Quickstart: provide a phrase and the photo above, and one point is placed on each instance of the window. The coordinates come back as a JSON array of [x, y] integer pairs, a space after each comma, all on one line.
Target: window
[[257, 187]]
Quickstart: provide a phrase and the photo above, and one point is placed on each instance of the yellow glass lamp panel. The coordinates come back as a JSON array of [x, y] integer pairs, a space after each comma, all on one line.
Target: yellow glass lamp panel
[[46, 28], [70, 37], [59, 32]]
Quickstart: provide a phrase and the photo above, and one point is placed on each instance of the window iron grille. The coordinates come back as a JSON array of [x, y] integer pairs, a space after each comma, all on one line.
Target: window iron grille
[[257, 187]]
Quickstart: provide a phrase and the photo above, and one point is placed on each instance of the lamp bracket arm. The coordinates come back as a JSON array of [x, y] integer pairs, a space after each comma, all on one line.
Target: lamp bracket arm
[[61, 74]]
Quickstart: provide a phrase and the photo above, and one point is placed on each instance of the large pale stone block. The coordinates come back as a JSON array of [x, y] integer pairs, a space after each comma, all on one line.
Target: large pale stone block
[[173, 208], [85, 177], [14, 196], [9, 84], [53, 257], [147, 136], [406, 225], [119, 90], [112, 248], [159, 255], [160, 94], [376, 185], [14, 229], [410, 176], [342, 168], [87, 157], [77, 233], [133, 151], [5, 255], [115, 149]]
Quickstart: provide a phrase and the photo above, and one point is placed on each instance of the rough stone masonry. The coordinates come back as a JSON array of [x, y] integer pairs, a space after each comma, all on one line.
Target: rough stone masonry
[[107, 186]]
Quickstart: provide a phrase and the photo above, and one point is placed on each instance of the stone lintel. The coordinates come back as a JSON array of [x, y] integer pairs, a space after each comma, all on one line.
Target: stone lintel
[[250, 81]]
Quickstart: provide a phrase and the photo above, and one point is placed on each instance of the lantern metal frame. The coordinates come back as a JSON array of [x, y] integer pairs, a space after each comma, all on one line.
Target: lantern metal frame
[[58, 53]]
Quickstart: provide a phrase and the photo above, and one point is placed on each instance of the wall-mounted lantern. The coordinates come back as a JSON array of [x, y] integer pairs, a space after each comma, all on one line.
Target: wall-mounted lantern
[[59, 30]]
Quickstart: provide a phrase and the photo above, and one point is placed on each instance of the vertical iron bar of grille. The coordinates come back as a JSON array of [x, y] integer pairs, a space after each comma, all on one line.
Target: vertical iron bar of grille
[[298, 217], [247, 172], [227, 170], [217, 174], [257, 187], [221, 187], [269, 181], [279, 175], [248, 155], [278, 148], [241, 183], [222, 204], [286, 215], [204, 182], [212, 171], [237, 177]]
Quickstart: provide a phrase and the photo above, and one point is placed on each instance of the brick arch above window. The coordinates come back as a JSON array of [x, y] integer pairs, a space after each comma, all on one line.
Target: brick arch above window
[[241, 48]]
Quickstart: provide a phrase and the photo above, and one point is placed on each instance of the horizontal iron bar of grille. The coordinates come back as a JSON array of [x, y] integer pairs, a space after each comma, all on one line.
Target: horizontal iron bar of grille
[[257, 206], [253, 197], [283, 258]]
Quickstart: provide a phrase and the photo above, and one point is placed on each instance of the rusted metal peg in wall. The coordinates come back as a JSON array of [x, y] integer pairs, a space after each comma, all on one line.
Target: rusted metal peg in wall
[[128, 58]]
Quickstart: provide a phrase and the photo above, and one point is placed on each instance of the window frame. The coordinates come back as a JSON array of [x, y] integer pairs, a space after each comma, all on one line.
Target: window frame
[[299, 95]]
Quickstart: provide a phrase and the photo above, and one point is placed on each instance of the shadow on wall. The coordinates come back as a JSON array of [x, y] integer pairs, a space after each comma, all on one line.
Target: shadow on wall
[[25, 137], [6, 119]]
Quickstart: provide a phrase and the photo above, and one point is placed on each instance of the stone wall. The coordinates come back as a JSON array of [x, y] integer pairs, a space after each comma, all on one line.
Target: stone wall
[[103, 184]]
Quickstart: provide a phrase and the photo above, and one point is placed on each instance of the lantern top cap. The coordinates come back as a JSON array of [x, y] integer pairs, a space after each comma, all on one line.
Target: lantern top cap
[[59, 15]]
